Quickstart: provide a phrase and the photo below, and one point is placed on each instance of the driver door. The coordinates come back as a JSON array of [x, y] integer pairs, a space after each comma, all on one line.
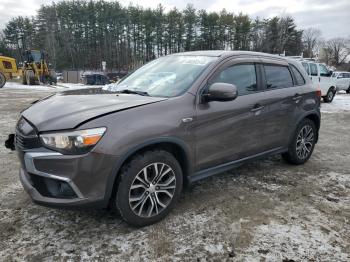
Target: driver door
[[231, 130]]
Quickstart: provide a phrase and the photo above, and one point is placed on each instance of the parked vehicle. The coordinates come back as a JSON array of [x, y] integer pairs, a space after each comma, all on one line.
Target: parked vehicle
[[94, 78], [8, 69], [321, 77], [174, 121], [342, 80]]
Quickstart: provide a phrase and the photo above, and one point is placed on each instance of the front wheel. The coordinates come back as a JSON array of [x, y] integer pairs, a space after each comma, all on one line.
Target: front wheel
[[2, 80], [302, 144], [149, 186], [329, 97], [348, 91]]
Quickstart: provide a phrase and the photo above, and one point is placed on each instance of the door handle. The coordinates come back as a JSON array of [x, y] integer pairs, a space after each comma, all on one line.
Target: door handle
[[297, 97], [256, 108]]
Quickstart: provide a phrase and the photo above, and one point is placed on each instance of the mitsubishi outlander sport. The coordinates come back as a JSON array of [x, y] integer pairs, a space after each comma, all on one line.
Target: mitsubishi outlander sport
[[133, 145]]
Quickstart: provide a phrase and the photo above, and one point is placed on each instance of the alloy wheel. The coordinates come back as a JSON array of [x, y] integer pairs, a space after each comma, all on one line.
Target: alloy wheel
[[305, 142], [152, 190]]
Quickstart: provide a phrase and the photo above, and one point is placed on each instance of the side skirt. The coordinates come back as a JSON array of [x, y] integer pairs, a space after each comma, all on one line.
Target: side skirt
[[233, 164]]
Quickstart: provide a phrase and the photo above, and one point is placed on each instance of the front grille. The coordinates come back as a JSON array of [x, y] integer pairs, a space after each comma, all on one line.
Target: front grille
[[27, 142], [26, 137]]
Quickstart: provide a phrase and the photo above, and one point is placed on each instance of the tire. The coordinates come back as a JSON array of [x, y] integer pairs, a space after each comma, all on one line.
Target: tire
[[299, 156], [24, 79], [139, 200], [348, 91], [30, 77], [2, 80], [329, 97]]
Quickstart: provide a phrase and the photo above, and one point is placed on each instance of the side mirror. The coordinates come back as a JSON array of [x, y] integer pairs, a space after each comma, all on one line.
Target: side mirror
[[221, 92]]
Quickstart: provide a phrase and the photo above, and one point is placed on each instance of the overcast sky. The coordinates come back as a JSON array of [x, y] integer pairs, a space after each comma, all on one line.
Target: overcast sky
[[331, 17]]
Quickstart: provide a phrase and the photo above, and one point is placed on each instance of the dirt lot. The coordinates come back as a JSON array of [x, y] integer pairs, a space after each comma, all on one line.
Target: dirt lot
[[264, 211]]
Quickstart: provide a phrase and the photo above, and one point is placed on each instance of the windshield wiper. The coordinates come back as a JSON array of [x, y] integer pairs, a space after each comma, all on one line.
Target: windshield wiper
[[129, 91]]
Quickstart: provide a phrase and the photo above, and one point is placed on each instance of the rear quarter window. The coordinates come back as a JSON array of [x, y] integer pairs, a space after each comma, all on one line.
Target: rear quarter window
[[299, 79], [277, 76]]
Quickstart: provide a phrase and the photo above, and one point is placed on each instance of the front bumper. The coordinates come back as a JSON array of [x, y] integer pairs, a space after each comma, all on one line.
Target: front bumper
[[56, 180]]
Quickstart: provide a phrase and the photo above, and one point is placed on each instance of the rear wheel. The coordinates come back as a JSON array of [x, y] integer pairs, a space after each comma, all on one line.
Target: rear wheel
[[302, 144], [348, 91], [149, 186], [2, 80], [329, 97], [30, 77]]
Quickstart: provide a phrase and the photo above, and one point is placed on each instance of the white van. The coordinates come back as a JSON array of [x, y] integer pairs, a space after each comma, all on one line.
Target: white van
[[342, 80], [321, 77]]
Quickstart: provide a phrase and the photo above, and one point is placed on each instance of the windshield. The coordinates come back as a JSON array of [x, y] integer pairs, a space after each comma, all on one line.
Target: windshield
[[36, 55], [335, 74], [166, 77]]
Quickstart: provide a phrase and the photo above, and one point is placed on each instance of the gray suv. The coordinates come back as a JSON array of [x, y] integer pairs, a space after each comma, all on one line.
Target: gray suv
[[132, 146]]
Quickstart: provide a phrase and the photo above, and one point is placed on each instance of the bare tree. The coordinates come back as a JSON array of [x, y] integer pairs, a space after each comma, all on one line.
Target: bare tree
[[311, 38], [338, 50]]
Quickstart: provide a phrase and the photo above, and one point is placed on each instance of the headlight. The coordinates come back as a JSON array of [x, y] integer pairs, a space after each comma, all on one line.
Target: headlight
[[75, 142]]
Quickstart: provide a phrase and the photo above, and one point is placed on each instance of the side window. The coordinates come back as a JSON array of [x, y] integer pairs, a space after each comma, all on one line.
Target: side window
[[347, 75], [243, 76], [278, 76], [306, 66], [313, 69], [7, 65], [323, 70], [299, 79]]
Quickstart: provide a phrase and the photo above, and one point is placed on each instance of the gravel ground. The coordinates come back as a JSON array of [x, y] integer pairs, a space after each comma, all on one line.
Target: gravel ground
[[263, 211]]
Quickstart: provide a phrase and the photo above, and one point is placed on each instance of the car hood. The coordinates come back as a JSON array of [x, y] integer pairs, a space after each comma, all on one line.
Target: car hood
[[66, 110]]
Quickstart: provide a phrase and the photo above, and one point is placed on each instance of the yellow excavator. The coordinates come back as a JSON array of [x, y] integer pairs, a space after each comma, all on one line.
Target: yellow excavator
[[35, 69]]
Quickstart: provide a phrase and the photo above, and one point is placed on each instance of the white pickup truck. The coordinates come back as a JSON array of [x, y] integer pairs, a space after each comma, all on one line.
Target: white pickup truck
[[342, 81], [321, 77]]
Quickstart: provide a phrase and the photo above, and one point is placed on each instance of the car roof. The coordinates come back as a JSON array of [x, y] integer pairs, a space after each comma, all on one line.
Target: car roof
[[223, 53]]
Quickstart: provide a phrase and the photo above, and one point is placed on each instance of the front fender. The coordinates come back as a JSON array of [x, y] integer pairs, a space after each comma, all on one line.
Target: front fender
[[148, 143]]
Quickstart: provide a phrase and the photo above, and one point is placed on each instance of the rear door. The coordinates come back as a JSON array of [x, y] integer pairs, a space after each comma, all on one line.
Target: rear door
[[347, 82], [343, 80], [281, 99], [325, 79]]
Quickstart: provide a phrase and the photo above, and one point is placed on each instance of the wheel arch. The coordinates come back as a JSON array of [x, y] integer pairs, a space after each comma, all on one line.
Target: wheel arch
[[174, 146], [314, 117], [332, 88]]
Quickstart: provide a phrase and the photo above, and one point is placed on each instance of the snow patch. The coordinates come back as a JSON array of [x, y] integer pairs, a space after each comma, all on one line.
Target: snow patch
[[307, 238], [340, 103]]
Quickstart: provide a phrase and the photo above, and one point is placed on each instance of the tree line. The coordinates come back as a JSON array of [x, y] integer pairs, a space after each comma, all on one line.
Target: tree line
[[80, 34]]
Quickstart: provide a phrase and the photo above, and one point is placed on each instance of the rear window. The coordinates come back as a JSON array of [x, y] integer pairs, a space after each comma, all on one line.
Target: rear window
[[278, 76], [299, 79]]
